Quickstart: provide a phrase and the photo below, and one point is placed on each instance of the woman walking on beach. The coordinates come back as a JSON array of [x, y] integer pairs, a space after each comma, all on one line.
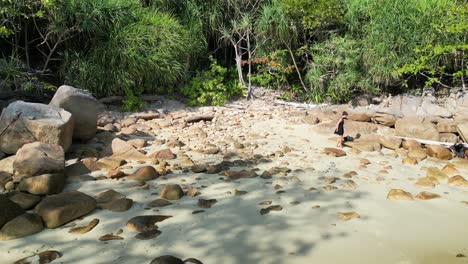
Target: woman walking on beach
[[339, 130]]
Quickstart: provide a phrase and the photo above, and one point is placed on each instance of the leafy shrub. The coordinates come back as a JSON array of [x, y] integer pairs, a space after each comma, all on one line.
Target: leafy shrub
[[132, 103], [336, 71], [131, 47], [390, 32], [211, 87], [273, 70]]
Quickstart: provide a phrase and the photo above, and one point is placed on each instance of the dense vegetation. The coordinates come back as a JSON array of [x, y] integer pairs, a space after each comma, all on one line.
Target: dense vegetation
[[211, 50]]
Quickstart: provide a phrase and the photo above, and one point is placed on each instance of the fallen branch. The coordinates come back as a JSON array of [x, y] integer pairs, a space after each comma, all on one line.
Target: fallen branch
[[298, 105]]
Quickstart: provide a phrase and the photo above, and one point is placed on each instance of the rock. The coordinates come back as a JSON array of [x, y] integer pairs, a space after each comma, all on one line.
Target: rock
[[62, 208], [165, 154], [24, 123], [159, 203], [461, 127], [239, 193], [21, 226], [108, 196], [25, 200], [128, 121], [329, 188], [417, 153], [43, 184], [409, 161], [458, 181], [435, 173], [198, 168], [409, 144], [5, 177], [115, 174], [448, 137], [110, 127], [109, 163], [148, 235], [415, 127], [450, 169], [110, 237], [78, 169], [398, 194], [125, 151], [137, 143], [460, 163], [334, 152], [203, 203], [146, 173], [146, 223], [128, 131], [384, 119], [311, 120], [364, 145], [8, 210], [439, 152], [347, 216], [167, 260], [427, 196], [84, 229], [118, 205], [271, 208], [349, 185], [39, 158], [192, 192], [84, 108], [390, 142], [360, 115], [426, 182], [41, 258], [447, 127], [234, 175]]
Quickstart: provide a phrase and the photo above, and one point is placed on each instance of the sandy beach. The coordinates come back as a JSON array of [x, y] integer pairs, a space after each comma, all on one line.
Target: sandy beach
[[306, 230]]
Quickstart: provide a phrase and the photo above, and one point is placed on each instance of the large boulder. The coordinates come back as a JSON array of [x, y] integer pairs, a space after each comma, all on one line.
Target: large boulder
[[463, 131], [416, 127], [84, 108], [125, 151], [21, 226], [22, 123], [384, 119], [62, 208], [439, 152], [39, 158], [8, 210], [43, 184]]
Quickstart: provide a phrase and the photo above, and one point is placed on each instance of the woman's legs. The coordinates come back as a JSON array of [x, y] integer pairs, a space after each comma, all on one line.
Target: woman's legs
[[340, 141]]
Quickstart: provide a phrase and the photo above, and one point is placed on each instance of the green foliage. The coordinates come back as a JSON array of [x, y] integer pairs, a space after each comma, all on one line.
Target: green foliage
[[391, 31], [132, 48], [211, 87], [314, 14], [336, 71], [11, 70], [132, 102], [273, 70], [446, 58]]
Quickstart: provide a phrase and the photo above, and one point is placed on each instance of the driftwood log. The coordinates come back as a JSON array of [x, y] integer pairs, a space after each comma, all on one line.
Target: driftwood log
[[198, 118], [119, 99]]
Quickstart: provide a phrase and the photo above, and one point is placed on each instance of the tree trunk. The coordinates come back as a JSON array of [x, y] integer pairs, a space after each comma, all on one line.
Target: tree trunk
[[297, 69], [26, 45], [249, 89], [239, 64]]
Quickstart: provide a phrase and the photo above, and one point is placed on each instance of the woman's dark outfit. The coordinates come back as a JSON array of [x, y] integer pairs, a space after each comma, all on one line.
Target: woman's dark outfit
[[340, 129]]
